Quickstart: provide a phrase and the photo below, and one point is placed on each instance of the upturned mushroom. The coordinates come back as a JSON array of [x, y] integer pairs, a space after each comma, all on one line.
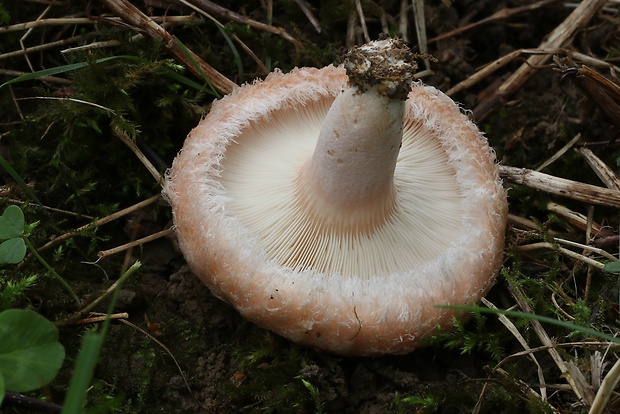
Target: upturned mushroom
[[338, 206]]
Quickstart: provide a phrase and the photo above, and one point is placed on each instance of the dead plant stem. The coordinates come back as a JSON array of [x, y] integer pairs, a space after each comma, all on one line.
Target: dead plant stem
[[138, 153], [133, 16], [99, 222], [238, 18], [45, 46], [105, 253], [587, 193], [64, 21], [558, 38], [78, 315], [98, 319], [606, 390], [570, 373]]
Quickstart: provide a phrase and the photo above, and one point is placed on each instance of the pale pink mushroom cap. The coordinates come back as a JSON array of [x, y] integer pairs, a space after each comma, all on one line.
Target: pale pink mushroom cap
[[241, 230]]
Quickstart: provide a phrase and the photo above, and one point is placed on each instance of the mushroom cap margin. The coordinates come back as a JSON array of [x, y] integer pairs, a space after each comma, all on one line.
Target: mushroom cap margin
[[383, 315]]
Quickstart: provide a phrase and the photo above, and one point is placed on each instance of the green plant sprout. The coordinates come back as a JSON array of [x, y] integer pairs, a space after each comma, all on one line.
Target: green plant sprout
[[424, 403], [30, 354], [14, 235], [10, 291], [316, 398], [19, 180]]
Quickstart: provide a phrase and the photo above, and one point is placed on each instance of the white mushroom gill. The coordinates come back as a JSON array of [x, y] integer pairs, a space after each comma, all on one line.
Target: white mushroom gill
[[259, 175], [325, 186]]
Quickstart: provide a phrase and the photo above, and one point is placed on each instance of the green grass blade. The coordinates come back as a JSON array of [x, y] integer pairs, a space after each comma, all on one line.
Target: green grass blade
[[540, 318], [89, 355], [232, 48], [82, 374], [183, 80], [63, 69], [195, 64], [16, 177]]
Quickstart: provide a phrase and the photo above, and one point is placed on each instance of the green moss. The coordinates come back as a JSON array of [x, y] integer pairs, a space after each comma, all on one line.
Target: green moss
[[271, 368]]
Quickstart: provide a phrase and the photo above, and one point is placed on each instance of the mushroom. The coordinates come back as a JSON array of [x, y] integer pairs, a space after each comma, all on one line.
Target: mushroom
[[338, 206]]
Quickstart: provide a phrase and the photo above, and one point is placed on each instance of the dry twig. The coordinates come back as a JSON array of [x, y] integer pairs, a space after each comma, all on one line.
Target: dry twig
[[602, 170], [515, 332], [500, 15], [420, 28], [576, 219], [133, 16], [604, 93], [502, 61], [569, 371], [99, 222], [98, 319], [567, 252], [245, 47], [558, 38], [125, 139], [105, 253], [45, 46], [362, 20], [560, 186], [211, 7], [559, 153], [606, 390], [305, 8], [64, 21]]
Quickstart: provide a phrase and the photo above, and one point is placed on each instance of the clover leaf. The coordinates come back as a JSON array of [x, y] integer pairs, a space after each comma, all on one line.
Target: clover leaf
[[13, 248], [30, 354]]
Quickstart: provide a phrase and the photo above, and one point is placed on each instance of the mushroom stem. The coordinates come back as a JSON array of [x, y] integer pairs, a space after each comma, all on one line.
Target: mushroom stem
[[351, 172], [357, 149]]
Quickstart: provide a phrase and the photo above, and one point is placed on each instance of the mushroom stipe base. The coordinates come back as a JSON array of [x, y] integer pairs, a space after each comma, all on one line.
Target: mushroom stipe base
[[352, 289]]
